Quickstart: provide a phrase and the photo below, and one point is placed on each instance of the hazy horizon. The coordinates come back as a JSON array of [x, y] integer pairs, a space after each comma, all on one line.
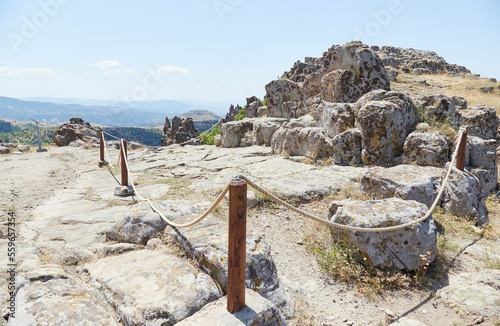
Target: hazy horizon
[[216, 51]]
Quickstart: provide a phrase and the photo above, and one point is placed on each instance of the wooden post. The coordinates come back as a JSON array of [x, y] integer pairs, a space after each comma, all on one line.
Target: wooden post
[[460, 163], [237, 245], [101, 150], [123, 157]]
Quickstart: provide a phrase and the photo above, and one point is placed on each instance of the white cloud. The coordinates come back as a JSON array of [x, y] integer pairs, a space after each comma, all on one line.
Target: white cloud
[[27, 72], [111, 67], [164, 70]]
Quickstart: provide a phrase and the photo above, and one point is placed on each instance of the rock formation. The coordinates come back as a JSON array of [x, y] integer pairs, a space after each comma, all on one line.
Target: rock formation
[[75, 130], [180, 131]]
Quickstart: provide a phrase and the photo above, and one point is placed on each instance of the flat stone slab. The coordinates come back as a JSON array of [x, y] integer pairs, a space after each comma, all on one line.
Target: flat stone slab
[[408, 182], [258, 311], [150, 287], [477, 293], [207, 242], [49, 296]]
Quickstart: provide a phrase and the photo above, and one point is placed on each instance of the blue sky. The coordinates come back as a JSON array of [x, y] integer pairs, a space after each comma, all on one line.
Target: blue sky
[[217, 50]]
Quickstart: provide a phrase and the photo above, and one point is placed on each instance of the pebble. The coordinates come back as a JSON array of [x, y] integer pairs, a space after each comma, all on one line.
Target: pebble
[[390, 313]]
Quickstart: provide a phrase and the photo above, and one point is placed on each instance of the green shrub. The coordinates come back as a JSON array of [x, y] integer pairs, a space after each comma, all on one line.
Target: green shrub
[[242, 114], [208, 137]]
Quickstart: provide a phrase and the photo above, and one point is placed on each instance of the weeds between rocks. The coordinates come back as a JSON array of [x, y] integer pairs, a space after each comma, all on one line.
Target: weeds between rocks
[[347, 264]]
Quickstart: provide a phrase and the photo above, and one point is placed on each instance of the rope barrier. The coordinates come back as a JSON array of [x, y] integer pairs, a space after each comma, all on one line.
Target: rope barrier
[[350, 228], [280, 201], [168, 221]]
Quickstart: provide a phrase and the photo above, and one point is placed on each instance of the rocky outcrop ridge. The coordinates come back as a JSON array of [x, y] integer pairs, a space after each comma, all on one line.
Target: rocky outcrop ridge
[[76, 130], [416, 61], [180, 131]]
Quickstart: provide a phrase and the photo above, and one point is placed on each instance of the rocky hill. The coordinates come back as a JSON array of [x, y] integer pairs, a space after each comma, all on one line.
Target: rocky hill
[[345, 140]]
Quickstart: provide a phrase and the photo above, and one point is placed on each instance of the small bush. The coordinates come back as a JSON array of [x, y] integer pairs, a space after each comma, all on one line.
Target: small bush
[[208, 137], [242, 114]]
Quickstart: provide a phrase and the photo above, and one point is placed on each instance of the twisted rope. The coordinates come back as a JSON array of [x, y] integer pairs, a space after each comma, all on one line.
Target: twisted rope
[[350, 228], [168, 221]]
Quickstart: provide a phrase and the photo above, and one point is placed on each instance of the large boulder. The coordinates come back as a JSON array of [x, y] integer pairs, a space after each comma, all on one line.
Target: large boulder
[[343, 74], [312, 142], [339, 86], [410, 115], [337, 118], [407, 182], [463, 196], [382, 132], [264, 129], [252, 107], [399, 249], [482, 160], [180, 131], [76, 129], [481, 120], [365, 65], [427, 148], [279, 92], [439, 108], [237, 133], [347, 147]]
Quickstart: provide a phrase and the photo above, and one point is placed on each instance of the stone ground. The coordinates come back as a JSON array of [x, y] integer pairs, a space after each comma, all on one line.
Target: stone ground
[[63, 201]]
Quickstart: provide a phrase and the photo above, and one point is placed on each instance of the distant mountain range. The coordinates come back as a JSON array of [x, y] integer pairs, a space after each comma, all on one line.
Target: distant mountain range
[[102, 112]]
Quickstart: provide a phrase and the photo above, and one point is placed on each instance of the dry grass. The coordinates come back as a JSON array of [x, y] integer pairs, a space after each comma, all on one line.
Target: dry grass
[[347, 265], [450, 86]]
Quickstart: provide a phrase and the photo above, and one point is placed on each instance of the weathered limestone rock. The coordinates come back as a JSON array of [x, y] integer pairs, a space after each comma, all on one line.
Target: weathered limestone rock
[[136, 228], [482, 159], [476, 293], [49, 296], [398, 249], [257, 311], [347, 147], [410, 117], [264, 129], [142, 224], [382, 132], [73, 254], [149, 287], [440, 108], [339, 86], [482, 121], [233, 111], [363, 62], [407, 182], [252, 107], [281, 91], [337, 118], [179, 132], [406, 59], [4, 150], [74, 130], [237, 133], [427, 148], [312, 142], [207, 243], [463, 196]]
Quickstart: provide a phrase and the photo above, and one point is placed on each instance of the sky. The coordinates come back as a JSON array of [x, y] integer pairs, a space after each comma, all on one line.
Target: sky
[[217, 51]]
